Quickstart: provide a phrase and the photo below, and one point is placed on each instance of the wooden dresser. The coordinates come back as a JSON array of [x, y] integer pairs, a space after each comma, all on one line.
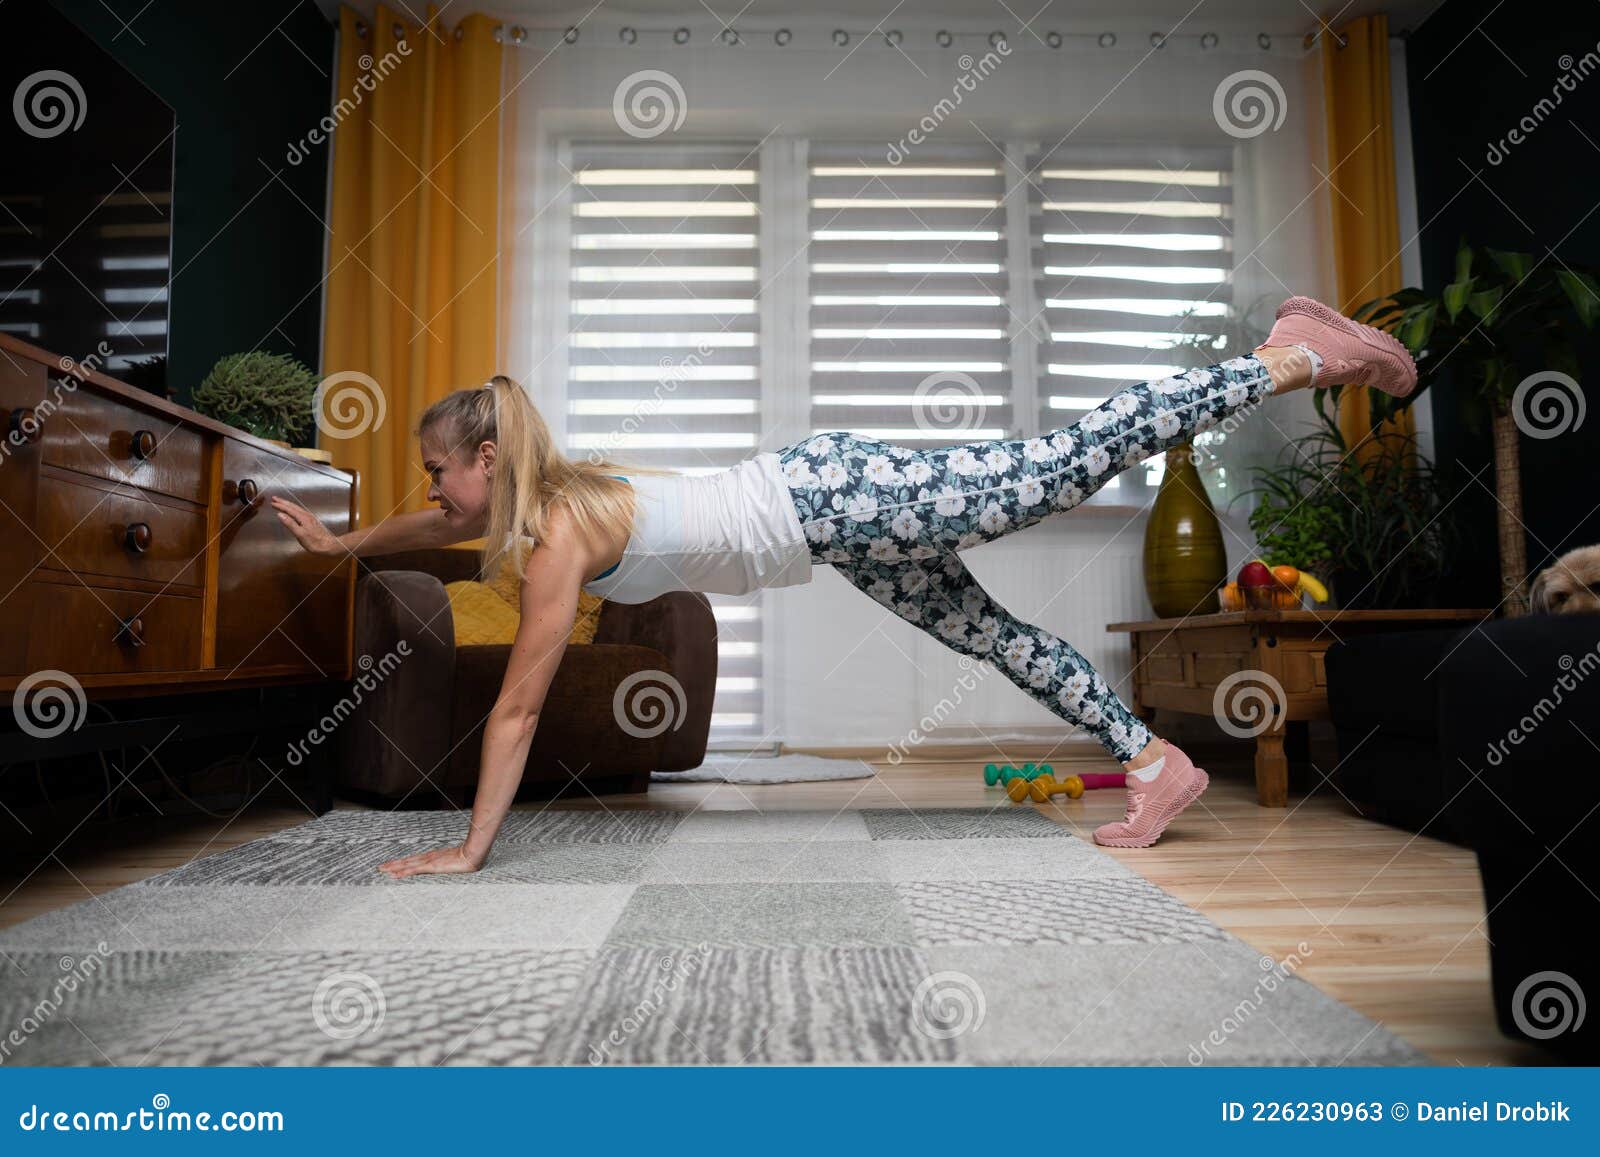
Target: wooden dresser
[[137, 552]]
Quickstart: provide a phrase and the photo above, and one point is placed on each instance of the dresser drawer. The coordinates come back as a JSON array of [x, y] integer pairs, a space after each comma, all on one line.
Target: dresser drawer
[[276, 604], [121, 532], [99, 435], [80, 629]]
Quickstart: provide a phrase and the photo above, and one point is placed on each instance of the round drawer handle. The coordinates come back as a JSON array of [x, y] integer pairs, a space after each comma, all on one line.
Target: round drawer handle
[[130, 631], [243, 491], [143, 444], [137, 537], [25, 424]]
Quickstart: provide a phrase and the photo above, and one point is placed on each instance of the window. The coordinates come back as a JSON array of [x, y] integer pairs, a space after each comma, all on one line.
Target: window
[[664, 339], [973, 291], [1132, 270], [908, 290]]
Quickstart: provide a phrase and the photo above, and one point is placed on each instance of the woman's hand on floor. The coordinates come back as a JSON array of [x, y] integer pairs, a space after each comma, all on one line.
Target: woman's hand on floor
[[306, 527], [439, 862]]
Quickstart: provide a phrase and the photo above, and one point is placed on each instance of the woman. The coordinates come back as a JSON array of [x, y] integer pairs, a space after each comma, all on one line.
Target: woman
[[892, 520]]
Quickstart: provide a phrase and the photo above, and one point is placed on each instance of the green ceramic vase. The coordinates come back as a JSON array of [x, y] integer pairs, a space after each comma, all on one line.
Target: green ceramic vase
[[1184, 558]]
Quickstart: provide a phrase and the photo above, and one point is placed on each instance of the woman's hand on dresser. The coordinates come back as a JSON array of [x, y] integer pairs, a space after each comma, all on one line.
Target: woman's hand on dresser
[[307, 528], [439, 862]]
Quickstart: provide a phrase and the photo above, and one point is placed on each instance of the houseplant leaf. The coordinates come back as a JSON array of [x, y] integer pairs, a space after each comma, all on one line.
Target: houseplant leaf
[[1584, 294]]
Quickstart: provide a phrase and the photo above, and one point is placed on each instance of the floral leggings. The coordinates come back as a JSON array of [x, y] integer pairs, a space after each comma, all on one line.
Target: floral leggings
[[892, 519]]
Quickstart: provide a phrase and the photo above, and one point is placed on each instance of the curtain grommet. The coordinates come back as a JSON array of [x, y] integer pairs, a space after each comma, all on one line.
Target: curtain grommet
[[570, 36], [943, 38], [1053, 39], [782, 37], [841, 37], [680, 36], [1108, 40], [1208, 40], [361, 29], [893, 37], [628, 35]]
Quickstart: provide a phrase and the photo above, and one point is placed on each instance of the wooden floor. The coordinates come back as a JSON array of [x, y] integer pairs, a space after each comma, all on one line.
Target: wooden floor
[[1391, 922]]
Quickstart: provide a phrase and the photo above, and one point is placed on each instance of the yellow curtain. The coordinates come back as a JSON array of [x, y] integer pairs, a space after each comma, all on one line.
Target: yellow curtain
[[1366, 217], [412, 255]]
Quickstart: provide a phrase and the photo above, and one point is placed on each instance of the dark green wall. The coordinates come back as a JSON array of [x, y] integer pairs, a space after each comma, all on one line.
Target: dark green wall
[[1475, 70], [245, 82]]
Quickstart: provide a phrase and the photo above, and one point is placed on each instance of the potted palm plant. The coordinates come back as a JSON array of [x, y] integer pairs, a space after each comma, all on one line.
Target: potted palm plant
[[1508, 325]]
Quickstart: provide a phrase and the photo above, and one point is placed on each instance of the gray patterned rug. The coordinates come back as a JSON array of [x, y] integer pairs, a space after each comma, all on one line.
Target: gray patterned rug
[[965, 936]]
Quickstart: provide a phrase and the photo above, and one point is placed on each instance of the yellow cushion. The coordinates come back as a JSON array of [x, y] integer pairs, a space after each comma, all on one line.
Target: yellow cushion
[[480, 615], [489, 612]]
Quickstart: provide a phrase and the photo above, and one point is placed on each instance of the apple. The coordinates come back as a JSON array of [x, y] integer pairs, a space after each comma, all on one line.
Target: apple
[[1256, 574]]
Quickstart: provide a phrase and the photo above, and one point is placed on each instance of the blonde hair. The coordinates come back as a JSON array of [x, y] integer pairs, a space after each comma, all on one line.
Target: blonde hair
[[531, 475]]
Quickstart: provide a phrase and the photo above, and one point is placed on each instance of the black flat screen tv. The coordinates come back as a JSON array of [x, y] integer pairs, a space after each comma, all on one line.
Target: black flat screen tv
[[86, 175]]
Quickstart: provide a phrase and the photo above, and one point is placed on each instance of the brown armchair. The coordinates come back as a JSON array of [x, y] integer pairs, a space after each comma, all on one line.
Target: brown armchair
[[413, 738]]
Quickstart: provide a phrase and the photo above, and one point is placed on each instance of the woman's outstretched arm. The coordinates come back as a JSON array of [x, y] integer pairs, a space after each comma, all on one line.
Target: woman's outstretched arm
[[550, 585], [418, 530]]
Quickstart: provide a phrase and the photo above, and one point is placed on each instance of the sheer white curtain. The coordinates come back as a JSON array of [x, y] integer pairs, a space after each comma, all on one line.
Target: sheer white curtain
[[1029, 127]]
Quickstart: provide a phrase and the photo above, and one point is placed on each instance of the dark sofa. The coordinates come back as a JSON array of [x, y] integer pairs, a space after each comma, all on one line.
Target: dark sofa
[[1490, 737], [414, 739]]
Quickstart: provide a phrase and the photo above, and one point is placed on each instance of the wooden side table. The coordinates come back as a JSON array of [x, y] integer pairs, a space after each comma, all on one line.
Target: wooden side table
[[1256, 671]]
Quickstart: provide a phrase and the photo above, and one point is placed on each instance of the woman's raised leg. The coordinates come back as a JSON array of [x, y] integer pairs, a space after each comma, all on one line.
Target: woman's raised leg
[[941, 596], [851, 490]]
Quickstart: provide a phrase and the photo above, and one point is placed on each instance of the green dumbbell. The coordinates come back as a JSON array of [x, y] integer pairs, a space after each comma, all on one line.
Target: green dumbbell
[[991, 774]]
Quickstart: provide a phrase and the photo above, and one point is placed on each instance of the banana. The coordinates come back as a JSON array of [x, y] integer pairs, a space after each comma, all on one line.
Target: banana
[[1313, 587]]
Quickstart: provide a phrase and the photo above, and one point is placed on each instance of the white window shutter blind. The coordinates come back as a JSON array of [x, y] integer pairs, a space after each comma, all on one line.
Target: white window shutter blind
[[1132, 259], [664, 357], [909, 320]]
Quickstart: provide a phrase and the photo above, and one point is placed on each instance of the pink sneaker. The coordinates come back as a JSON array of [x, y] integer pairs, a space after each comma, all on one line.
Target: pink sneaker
[[1350, 351], [1154, 805]]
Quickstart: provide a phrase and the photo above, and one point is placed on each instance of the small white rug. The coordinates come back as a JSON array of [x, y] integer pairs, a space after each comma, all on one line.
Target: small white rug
[[731, 768]]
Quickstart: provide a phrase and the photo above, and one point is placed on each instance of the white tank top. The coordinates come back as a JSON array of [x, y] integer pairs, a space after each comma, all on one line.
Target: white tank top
[[727, 533]]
